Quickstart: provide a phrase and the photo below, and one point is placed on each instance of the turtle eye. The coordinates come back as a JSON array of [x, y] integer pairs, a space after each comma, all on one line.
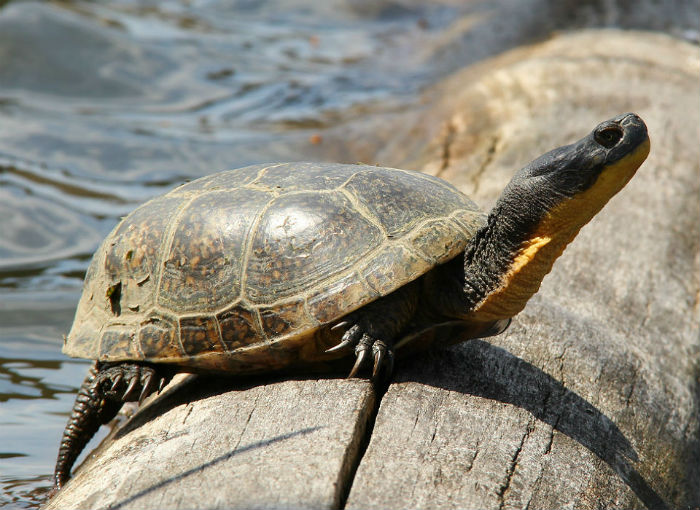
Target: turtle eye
[[608, 136]]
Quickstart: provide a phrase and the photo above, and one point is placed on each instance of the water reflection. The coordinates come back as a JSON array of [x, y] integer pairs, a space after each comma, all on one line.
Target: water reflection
[[29, 492], [36, 390], [20, 379]]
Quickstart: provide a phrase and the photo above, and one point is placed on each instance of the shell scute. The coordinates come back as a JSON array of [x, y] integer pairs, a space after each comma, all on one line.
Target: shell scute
[[382, 272], [203, 264], [303, 177], [332, 299], [132, 257], [239, 327], [200, 334], [226, 180], [302, 239], [401, 199], [469, 221], [283, 319], [118, 341], [438, 233], [158, 338]]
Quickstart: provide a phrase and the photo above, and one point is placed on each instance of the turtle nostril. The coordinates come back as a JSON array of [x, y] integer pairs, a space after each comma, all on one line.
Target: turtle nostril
[[608, 135]]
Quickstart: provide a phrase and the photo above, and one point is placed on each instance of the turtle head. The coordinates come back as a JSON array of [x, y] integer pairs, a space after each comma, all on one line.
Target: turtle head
[[575, 181], [542, 209]]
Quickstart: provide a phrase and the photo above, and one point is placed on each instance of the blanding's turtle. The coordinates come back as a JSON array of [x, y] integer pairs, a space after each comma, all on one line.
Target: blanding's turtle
[[295, 265]]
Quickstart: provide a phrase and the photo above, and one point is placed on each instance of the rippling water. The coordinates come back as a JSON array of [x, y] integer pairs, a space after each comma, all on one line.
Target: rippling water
[[104, 105]]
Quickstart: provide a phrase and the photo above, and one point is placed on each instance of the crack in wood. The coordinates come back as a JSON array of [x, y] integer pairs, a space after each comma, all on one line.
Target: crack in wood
[[189, 411], [446, 146], [357, 448], [476, 176], [632, 387], [505, 486]]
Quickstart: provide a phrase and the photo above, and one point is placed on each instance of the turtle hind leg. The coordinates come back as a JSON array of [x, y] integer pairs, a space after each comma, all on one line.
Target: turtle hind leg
[[130, 382], [90, 411], [104, 391]]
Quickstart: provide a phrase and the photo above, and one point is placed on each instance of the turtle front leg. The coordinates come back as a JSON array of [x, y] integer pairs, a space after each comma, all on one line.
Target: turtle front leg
[[374, 328], [357, 335], [102, 394]]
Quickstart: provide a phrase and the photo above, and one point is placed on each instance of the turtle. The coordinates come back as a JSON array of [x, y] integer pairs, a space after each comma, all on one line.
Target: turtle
[[298, 266]]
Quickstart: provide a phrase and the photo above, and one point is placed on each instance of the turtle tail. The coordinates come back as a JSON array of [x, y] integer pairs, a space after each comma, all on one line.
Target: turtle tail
[[90, 411]]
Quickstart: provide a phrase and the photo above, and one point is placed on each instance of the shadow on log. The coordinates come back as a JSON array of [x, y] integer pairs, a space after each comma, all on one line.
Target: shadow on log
[[211, 464], [484, 370]]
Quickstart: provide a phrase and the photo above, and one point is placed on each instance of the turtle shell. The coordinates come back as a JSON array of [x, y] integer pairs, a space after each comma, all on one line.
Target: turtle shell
[[240, 270]]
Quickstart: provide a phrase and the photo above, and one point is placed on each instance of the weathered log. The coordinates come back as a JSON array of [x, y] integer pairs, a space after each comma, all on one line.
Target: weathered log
[[204, 445], [589, 400]]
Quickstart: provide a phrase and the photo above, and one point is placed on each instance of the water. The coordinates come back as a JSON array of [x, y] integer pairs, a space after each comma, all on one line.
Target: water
[[104, 105]]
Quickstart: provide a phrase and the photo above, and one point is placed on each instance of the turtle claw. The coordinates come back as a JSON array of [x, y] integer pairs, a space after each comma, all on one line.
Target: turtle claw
[[341, 324], [382, 355], [342, 345], [147, 389], [140, 381], [117, 381], [379, 355], [361, 356], [161, 384], [364, 338], [350, 337], [133, 383]]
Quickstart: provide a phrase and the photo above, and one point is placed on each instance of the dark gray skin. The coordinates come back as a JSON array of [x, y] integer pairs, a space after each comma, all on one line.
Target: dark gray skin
[[498, 272]]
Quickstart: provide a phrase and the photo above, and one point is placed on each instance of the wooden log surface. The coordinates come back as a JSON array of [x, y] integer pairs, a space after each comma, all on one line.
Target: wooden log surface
[[267, 445], [589, 400]]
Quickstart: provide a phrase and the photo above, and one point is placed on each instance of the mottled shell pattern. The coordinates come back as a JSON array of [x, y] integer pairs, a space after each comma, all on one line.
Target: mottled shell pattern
[[240, 270]]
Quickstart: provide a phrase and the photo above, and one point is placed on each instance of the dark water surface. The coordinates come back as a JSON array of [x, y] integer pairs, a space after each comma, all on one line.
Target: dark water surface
[[104, 105]]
